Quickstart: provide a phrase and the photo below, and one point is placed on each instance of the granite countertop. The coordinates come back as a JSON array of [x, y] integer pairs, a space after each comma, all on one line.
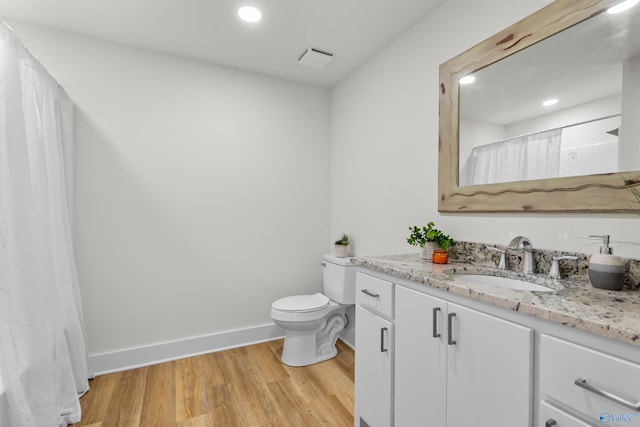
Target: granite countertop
[[575, 303]]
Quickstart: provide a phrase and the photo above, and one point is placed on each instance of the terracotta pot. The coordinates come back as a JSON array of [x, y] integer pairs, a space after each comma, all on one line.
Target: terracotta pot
[[440, 256]]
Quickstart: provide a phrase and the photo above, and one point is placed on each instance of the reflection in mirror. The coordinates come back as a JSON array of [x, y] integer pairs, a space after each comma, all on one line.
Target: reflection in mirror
[[510, 128], [497, 110]]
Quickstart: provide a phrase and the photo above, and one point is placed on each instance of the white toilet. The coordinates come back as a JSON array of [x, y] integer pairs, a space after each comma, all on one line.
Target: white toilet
[[313, 322]]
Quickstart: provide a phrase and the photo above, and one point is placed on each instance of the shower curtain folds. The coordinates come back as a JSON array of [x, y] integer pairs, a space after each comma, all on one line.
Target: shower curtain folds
[[522, 158], [43, 354]]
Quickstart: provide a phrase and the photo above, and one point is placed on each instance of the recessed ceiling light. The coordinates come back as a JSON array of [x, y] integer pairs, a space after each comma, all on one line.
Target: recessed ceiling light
[[549, 102], [249, 14], [467, 80], [621, 7]]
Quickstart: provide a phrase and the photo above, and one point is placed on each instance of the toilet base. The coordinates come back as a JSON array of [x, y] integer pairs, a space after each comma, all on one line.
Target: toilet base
[[302, 348]]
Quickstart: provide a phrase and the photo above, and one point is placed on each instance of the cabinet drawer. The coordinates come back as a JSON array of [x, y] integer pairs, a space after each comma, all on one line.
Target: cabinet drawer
[[551, 416], [375, 294], [563, 363]]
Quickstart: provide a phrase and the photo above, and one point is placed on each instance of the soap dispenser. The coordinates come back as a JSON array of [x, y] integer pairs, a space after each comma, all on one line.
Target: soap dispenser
[[606, 271]]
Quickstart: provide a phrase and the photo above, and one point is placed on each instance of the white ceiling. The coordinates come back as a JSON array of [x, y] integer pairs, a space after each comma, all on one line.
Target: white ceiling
[[209, 30]]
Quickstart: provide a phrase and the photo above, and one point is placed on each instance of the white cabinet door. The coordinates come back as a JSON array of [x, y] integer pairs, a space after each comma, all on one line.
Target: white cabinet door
[[489, 371], [420, 360], [374, 358]]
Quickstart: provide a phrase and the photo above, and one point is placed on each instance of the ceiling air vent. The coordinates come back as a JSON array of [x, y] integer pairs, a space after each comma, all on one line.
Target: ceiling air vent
[[315, 58]]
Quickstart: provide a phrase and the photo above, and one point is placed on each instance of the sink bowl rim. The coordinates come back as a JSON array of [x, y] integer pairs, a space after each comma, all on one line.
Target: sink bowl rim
[[518, 283]]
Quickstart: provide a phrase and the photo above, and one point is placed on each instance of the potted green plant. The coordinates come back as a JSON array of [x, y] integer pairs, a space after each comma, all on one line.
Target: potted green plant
[[441, 256], [429, 239], [342, 246]]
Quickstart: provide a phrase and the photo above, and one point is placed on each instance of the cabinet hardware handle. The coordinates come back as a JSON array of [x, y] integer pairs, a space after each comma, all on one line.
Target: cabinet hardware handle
[[435, 322], [382, 331], [371, 294], [450, 339], [582, 383], [550, 423]]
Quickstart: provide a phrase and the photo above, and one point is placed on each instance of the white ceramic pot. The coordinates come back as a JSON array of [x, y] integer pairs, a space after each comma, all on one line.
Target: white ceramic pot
[[342, 251], [427, 251]]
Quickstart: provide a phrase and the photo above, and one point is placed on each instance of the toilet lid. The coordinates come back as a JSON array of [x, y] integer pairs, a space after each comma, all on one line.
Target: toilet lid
[[302, 303]]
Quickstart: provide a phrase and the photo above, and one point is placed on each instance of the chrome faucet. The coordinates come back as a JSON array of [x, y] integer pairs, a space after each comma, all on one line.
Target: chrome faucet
[[502, 264], [527, 260]]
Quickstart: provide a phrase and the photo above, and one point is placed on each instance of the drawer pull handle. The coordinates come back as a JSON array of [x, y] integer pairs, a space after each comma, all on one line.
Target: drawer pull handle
[[382, 333], [550, 423], [450, 339], [435, 322], [582, 383], [371, 294]]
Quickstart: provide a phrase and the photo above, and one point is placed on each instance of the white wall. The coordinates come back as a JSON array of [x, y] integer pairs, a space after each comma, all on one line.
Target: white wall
[[385, 145], [202, 191]]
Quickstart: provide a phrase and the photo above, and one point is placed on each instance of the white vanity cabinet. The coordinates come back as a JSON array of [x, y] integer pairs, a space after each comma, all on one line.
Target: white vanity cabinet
[[596, 387], [458, 367], [374, 354]]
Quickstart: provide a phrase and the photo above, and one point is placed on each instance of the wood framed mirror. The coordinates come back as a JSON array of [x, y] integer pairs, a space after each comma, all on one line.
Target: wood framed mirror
[[614, 190]]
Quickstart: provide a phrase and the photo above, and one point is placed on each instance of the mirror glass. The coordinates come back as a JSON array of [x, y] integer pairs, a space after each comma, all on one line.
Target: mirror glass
[[589, 74]]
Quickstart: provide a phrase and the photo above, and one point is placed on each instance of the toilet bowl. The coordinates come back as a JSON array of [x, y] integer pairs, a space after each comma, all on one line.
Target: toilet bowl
[[313, 322]]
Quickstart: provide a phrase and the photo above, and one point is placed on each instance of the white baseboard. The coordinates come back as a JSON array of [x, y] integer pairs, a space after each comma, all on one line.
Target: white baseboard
[[348, 336], [150, 355]]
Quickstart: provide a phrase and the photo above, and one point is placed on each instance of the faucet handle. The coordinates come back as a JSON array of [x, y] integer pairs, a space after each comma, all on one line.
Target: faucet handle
[[554, 272], [502, 264]]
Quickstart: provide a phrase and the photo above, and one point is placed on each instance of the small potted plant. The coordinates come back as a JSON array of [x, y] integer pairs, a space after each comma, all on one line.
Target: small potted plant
[[342, 246], [429, 239], [441, 256]]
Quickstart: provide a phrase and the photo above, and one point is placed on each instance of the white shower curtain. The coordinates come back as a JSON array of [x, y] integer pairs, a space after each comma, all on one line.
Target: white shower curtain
[[527, 157], [43, 355]]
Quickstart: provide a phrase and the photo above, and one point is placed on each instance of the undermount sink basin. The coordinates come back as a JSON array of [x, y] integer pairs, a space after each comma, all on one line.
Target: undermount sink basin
[[502, 282]]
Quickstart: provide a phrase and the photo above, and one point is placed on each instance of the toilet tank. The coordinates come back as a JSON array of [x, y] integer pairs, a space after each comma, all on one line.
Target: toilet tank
[[339, 279]]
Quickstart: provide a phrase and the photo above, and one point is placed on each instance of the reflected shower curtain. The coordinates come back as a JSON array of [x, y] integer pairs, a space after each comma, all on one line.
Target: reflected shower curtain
[[533, 156], [43, 355]]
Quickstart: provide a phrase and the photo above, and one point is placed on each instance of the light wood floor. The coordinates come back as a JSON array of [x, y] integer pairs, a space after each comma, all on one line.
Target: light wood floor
[[246, 386]]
